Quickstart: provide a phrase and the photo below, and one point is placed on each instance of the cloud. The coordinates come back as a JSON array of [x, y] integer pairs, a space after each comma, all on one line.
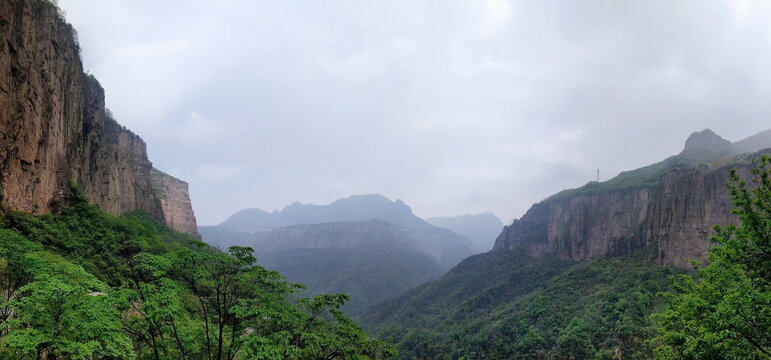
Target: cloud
[[156, 49], [196, 130], [456, 106], [218, 172], [491, 18]]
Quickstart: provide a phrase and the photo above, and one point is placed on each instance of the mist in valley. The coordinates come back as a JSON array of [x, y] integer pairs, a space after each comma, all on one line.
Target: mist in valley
[[493, 179]]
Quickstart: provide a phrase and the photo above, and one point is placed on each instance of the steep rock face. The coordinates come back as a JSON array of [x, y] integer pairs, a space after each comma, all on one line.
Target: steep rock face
[[672, 220], [54, 125], [175, 202]]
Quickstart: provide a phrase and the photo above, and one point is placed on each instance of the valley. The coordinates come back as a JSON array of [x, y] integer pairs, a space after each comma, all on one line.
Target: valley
[[103, 255]]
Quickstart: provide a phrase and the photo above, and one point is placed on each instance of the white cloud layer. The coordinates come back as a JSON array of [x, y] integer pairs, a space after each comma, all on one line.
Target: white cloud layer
[[454, 106]]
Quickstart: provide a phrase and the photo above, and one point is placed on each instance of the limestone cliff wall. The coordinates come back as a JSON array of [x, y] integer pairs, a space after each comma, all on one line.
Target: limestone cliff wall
[[175, 202], [671, 221], [53, 122]]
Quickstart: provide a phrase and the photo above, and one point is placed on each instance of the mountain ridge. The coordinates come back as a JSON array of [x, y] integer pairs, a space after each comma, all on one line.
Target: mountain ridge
[[353, 208], [357, 245], [587, 261], [667, 208]]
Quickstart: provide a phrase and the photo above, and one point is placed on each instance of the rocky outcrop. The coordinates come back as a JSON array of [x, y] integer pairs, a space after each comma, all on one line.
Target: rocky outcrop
[[54, 125], [175, 202], [670, 219]]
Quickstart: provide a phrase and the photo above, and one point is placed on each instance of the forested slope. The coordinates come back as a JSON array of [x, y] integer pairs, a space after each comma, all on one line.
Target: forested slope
[[87, 284]]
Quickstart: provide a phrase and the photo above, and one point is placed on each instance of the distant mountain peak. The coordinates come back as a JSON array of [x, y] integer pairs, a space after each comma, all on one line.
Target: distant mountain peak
[[757, 142], [353, 208], [706, 141]]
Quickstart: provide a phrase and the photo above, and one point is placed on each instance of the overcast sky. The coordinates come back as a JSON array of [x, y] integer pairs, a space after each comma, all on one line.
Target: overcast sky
[[452, 106]]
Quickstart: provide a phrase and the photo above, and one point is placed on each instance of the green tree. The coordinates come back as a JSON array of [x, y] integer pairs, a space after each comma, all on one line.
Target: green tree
[[247, 313], [724, 312], [575, 341], [154, 311], [64, 313], [83, 284], [14, 273]]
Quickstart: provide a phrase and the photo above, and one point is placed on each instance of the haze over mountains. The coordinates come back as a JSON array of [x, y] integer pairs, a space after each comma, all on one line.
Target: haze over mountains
[[100, 253], [365, 245], [668, 207], [586, 262], [480, 229], [353, 208]]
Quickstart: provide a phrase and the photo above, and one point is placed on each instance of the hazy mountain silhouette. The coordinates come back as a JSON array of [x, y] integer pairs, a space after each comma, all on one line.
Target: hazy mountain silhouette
[[353, 208], [480, 229], [364, 245]]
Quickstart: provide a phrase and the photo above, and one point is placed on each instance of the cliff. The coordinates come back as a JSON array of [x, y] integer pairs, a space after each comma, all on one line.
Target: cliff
[[174, 197], [666, 210], [54, 125]]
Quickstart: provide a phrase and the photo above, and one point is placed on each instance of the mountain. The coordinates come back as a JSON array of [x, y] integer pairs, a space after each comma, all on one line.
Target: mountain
[[666, 209], [508, 305], [443, 246], [577, 275], [753, 143], [370, 261], [366, 246], [480, 229], [54, 127], [224, 238], [353, 208]]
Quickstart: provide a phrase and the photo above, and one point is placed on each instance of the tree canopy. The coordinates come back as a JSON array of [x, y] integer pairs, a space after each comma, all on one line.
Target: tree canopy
[[724, 312], [84, 284]]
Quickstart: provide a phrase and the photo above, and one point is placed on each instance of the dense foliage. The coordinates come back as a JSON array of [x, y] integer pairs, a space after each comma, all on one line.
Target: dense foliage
[[724, 312], [88, 285], [369, 274], [508, 306]]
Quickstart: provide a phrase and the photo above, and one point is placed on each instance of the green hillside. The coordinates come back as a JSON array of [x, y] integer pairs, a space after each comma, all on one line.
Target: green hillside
[[84, 284], [509, 306]]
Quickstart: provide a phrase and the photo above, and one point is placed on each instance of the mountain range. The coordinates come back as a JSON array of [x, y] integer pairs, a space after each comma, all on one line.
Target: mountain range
[[365, 245], [583, 264]]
